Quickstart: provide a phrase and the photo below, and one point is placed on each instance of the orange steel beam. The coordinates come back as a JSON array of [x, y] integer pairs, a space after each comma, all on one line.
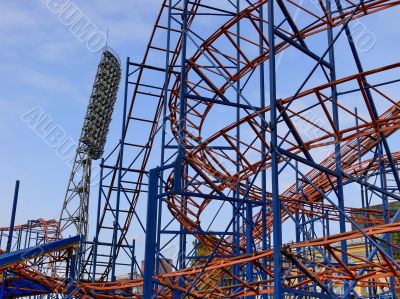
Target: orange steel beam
[[321, 272]]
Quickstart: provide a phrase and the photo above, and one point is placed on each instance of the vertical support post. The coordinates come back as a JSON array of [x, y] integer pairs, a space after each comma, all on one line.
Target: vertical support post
[[235, 205], [264, 233], [297, 216], [276, 205], [149, 255], [163, 133], [13, 212], [182, 104], [70, 290], [338, 158], [96, 238], [386, 211], [249, 242], [133, 258], [80, 256], [133, 262], [182, 126], [120, 165], [29, 235], [26, 234], [364, 194], [10, 235], [19, 238]]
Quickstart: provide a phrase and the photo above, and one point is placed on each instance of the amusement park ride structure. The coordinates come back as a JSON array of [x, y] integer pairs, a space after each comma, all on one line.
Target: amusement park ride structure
[[255, 180]]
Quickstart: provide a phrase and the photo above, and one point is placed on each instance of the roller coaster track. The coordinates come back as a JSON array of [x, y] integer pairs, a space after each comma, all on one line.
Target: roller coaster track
[[307, 270], [209, 285], [211, 76], [210, 163], [215, 171]]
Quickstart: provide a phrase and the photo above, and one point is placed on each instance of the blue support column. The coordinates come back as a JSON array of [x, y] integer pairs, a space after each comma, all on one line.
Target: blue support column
[[164, 131], [338, 158], [386, 211], [182, 126], [249, 243], [235, 205], [10, 235], [264, 232], [96, 238], [70, 289], [364, 196], [13, 212], [151, 230], [182, 104], [120, 166], [276, 205], [133, 262], [133, 259]]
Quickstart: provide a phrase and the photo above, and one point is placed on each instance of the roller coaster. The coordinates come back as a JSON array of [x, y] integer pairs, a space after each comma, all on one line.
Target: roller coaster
[[258, 156]]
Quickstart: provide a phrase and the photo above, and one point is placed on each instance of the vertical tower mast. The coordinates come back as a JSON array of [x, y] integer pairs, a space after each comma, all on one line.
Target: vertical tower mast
[[74, 214]]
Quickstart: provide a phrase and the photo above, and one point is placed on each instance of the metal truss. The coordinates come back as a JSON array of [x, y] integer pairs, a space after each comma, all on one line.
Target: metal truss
[[264, 142], [74, 216], [226, 141], [34, 232], [256, 154], [124, 176], [217, 277]]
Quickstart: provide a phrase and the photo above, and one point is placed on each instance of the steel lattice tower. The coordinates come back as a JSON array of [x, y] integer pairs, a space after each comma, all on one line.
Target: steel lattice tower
[[75, 210]]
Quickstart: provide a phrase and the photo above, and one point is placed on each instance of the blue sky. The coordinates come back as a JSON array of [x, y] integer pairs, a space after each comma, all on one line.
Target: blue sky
[[44, 64]]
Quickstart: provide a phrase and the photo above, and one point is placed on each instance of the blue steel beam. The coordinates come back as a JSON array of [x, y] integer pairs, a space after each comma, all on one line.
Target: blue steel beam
[[10, 235], [13, 212], [338, 155], [119, 175], [276, 204], [151, 230], [15, 257], [331, 44], [370, 100]]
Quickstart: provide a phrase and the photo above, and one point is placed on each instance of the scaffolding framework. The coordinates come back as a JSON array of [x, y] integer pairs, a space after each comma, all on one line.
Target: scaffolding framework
[[258, 153], [234, 166]]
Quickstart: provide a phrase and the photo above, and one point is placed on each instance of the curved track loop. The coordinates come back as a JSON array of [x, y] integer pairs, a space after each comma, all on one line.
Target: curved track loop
[[207, 162], [209, 52], [210, 284], [214, 172], [211, 163]]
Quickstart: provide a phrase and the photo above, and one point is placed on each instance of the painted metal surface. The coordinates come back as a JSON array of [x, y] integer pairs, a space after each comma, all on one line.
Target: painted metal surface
[[220, 137]]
